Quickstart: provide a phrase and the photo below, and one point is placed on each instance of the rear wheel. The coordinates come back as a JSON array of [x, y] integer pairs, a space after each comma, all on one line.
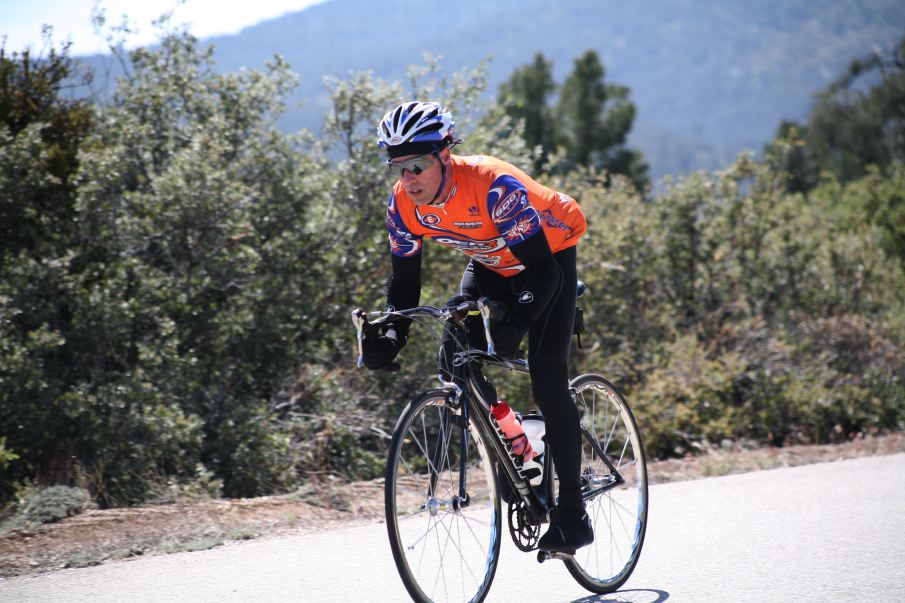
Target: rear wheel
[[618, 512], [445, 536]]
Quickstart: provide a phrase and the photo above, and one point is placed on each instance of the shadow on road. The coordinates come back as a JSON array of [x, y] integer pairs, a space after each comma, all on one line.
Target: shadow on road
[[641, 595]]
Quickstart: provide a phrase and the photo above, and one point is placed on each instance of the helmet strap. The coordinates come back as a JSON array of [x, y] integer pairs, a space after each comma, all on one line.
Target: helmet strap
[[442, 178]]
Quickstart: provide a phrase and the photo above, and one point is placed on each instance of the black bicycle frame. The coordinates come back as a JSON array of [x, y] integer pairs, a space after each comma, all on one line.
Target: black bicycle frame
[[475, 409], [470, 406]]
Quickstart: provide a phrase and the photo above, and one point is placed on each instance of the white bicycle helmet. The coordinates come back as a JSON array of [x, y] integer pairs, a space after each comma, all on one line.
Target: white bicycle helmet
[[416, 128]]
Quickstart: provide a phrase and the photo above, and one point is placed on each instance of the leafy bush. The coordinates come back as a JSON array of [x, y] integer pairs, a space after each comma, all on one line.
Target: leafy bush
[[54, 503], [179, 325]]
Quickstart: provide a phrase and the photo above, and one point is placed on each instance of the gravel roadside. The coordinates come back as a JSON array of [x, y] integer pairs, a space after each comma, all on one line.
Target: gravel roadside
[[99, 536]]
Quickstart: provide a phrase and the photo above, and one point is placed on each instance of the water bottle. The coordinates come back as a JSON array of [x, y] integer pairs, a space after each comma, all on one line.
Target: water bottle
[[512, 429], [521, 447], [535, 429]]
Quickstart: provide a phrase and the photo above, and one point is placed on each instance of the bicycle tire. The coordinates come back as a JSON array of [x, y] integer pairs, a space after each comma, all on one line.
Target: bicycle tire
[[443, 550], [619, 514]]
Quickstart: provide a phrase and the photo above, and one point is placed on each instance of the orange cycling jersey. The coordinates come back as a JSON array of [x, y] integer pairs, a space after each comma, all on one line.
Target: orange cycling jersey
[[492, 207]]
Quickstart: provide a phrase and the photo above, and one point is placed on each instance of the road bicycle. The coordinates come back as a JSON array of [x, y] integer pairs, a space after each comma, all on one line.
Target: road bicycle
[[450, 469]]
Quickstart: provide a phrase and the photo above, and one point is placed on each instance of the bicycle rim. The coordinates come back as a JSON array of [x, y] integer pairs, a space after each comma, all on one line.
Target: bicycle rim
[[444, 550], [619, 514]]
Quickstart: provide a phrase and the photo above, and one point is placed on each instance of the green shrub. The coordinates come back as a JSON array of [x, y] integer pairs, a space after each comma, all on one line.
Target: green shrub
[[54, 503]]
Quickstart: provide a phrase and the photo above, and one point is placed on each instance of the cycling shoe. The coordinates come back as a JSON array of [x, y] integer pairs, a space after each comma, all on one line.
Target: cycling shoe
[[569, 531]]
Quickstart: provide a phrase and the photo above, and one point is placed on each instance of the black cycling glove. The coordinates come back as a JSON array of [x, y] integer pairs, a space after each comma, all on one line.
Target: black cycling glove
[[379, 351]]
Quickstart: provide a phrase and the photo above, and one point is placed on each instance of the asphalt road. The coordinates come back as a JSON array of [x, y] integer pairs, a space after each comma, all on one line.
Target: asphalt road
[[827, 532]]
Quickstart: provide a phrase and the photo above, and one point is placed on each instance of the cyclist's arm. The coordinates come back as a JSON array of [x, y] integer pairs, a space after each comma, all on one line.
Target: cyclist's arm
[[520, 225], [404, 289], [542, 279]]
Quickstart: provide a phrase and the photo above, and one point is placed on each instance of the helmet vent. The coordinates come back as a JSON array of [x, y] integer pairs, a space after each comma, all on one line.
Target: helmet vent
[[425, 123], [412, 120]]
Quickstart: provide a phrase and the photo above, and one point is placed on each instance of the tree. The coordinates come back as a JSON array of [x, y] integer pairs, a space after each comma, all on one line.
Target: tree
[[855, 122], [145, 348], [190, 182], [36, 188], [851, 128], [596, 119], [526, 97], [41, 133], [855, 129], [589, 124], [180, 319]]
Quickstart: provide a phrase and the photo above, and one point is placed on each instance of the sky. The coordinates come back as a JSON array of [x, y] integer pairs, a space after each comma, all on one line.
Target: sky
[[21, 20]]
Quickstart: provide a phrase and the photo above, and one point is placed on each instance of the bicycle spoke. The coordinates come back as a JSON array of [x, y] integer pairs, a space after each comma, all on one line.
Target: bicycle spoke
[[609, 437], [462, 559], [624, 508], [618, 463], [445, 551], [442, 507], [618, 512], [442, 572]]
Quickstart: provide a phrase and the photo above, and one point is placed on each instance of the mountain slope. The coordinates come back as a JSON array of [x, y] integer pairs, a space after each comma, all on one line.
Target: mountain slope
[[708, 79]]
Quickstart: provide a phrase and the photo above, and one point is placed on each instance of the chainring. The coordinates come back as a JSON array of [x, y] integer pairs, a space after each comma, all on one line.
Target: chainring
[[524, 534]]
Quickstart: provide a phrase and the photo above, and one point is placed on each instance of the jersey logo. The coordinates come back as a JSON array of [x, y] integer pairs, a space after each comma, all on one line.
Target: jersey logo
[[508, 206], [487, 260], [394, 226], [552, 221], [526, 297], [468, 225], [430, 219], [470, 246], [521, 229], [473, 210]]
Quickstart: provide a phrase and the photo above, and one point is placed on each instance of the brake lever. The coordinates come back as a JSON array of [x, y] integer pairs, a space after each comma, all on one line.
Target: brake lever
[[358, 319], [484, 307]]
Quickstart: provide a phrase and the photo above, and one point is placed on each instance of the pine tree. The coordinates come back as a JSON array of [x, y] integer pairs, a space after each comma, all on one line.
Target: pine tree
[[596, 119], [526, 96]]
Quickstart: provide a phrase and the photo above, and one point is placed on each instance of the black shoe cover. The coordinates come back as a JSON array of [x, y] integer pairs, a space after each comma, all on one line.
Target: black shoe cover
[[569, 531]]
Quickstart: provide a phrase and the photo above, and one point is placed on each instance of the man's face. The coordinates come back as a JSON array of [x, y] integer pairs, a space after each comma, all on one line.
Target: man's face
[[421, 175]]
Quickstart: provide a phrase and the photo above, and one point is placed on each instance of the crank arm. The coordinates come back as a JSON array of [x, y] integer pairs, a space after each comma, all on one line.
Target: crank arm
[[546, 555]]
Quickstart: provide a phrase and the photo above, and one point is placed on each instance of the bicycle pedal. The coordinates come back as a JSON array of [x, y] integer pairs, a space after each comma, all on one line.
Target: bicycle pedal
[[545, 555]]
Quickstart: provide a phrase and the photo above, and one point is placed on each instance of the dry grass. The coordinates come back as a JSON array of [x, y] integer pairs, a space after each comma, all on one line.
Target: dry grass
[[96, 536]]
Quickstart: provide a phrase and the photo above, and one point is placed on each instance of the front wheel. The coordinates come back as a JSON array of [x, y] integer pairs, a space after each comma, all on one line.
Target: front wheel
[[615, 488], [442, 509]]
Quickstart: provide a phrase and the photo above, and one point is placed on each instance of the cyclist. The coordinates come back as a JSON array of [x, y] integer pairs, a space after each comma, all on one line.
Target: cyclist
[[521, 238]]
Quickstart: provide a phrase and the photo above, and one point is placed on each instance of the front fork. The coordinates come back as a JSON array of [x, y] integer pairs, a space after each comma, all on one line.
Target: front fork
[[451, 420]]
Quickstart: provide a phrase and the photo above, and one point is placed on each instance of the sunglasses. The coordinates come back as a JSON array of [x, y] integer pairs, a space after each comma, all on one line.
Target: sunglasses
[[415, 165]]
